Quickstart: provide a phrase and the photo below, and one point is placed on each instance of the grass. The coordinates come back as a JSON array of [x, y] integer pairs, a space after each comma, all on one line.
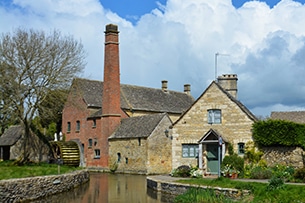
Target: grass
[[8, 170], [260, 192]]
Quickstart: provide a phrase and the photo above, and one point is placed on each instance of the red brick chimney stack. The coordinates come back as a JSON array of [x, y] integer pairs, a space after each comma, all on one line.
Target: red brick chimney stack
[[111, 107], [111, 90]]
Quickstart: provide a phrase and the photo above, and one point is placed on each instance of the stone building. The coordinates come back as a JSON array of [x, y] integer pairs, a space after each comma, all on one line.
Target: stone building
[[142, 144], [215, 114], [113, 122], [12, 145]]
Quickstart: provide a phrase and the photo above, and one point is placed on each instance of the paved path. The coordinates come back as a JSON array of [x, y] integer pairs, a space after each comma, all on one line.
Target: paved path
[[168, 178]]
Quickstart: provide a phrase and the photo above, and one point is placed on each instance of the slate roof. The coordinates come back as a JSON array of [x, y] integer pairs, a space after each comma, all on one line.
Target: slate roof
[[138, 126], [135, 97], [294, 116], [11, 135]]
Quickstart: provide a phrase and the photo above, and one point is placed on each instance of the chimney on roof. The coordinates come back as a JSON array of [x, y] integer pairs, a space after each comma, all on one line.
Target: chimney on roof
[[187, 89], [229, 83], [164, 85]]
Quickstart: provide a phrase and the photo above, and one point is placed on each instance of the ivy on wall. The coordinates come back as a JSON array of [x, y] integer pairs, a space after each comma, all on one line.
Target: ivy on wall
[[279, 132]]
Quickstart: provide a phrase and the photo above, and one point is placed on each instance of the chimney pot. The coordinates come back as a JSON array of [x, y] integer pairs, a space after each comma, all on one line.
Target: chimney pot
[[187, 88], [164, 85]]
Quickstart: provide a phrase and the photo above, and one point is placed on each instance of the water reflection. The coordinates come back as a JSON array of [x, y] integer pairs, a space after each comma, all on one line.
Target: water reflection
[[112, 188]]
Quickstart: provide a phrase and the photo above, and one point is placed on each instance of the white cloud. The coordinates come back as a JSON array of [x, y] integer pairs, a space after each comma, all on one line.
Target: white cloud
[[178, 41]]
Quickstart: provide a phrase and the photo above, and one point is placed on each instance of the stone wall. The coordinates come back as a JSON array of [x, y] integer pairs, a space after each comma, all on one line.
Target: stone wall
[[290, 156], [25, 189], [174, 188]]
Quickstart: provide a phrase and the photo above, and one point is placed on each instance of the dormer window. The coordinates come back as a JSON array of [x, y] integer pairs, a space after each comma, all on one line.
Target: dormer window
[[214, 116]]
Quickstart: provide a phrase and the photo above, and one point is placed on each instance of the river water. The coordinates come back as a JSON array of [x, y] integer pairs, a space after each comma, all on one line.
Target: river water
[[111, 188]]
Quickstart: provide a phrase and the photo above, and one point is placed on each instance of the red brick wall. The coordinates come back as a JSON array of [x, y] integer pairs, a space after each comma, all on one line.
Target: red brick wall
[[75, 109]]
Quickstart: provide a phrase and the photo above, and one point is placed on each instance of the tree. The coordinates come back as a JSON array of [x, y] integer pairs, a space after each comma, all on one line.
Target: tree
[[33, 64]]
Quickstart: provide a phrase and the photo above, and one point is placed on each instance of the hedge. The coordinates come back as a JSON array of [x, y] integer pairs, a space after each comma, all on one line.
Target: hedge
[[279, 132]]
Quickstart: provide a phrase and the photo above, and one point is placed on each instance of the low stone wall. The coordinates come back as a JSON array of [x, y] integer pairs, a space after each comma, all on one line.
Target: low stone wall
[[174, 188], [25, 189], [290, 156]]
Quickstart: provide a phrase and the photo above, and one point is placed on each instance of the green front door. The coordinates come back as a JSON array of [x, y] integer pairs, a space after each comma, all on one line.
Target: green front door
[[212, 157]]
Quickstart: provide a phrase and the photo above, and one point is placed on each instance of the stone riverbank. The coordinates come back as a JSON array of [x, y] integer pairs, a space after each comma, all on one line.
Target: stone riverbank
[[168, 185], [25, 189]]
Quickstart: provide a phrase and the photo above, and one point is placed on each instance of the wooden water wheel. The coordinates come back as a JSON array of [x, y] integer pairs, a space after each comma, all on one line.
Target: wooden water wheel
[[68, 152]]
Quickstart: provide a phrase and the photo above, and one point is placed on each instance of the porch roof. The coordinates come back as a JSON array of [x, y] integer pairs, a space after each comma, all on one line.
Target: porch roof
[[212, 136]]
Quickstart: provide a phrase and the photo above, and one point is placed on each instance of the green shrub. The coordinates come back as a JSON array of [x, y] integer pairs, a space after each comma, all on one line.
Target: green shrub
[[279, 133], [234, 161], [259, 172], [275, 183], [181, 171], [283, 171], [299, 174]]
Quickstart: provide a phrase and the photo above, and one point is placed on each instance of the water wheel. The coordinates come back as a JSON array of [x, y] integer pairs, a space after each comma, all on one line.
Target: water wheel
[[68, 152]]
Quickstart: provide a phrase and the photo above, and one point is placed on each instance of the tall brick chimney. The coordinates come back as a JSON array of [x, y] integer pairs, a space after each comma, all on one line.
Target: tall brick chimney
[[111, 107], [111, 90]]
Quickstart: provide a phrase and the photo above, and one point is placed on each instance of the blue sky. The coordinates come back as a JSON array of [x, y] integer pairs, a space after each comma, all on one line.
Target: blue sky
[[134, 9], [263, 42]]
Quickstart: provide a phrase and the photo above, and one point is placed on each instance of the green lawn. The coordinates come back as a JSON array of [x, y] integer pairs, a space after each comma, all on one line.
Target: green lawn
[[8, 170], [260, 192]]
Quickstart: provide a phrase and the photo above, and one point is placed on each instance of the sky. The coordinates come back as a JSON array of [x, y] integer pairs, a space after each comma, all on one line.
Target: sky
[[263, 42]]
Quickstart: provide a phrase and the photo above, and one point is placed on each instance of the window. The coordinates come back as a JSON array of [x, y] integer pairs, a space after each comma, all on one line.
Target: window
[[214, 116], [119, 157], [241, 148], [90, 143], [69, 127], [190, 150], [77, 125], [94, 123], [97, 154], [126, 160], [139, 141]]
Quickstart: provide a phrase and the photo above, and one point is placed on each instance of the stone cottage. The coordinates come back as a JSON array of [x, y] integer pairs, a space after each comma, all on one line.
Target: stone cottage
[[11, 145], [118, 123], [215, 115]]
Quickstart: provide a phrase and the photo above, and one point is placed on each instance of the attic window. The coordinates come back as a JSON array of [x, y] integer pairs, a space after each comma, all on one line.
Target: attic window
[[214, 116]]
